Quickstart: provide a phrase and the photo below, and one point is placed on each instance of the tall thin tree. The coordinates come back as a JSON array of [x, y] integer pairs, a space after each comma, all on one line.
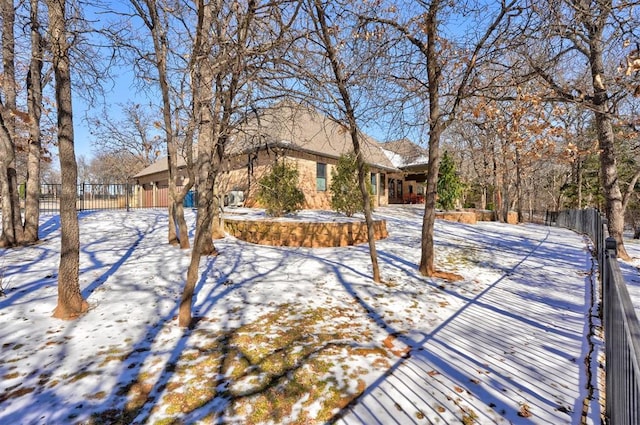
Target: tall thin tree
[[580, 34], [34, 105], [149, 11], [424, 31], [235, 45], [70, 302], [12, 233], [326, 37]]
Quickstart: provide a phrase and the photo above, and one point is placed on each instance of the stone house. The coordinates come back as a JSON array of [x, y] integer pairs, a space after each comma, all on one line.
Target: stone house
[[311, 141]]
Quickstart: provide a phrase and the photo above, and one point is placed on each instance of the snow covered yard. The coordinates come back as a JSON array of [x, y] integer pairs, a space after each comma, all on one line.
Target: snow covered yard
[[299, 335], [631, 270]]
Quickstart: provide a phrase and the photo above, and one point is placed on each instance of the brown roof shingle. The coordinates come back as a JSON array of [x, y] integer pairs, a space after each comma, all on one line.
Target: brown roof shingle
[[293, 126]]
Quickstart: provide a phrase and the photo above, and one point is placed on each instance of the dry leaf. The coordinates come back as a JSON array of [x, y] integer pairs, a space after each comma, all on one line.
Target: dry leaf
[[524, 411]]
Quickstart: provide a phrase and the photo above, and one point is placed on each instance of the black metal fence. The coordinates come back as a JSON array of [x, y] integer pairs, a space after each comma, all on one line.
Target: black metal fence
[[621, 326], [92, 196], [89, 196]]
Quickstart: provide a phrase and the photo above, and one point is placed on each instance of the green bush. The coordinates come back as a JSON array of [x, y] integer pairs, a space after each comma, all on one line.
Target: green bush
[[449, 185], [279, 192], [346, 197]]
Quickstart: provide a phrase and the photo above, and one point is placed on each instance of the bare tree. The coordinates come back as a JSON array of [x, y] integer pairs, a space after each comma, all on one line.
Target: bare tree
[[12, 232], [583, 36], [343, 69], [70, 301], [150, 12], [420, 23], [106, 167], [21, 146], [235, 45], [34, 105], [135, 135]]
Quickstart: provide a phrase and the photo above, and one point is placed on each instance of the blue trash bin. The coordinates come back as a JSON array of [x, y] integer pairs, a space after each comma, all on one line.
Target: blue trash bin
[[189, 200]]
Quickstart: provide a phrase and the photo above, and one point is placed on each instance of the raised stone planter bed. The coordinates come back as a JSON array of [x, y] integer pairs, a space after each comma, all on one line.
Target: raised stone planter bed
[[473, 216], [485, 215], [300, 233], [466, 217]]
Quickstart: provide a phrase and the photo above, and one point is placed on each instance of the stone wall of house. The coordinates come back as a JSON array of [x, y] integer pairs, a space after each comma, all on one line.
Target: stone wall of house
[[243, 172], [314, 199], [242, 179]]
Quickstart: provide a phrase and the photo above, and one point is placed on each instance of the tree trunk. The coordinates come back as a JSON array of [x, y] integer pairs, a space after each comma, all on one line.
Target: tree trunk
[[434, 76], [34, 100], [608, 164], [202, 244], [217, 224], [427, 258], [519, 194], [580, 184], [70, 301], [9, 232], [497, 184], [202, 241], [11, 214], [613, 195], [202, 79], [172, 235], [366, 199], [483, 199], [212, 204], [177, 223]]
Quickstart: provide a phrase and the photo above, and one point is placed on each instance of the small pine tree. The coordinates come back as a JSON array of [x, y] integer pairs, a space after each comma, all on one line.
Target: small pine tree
[[279, 192], [345, 191], [449, 185]]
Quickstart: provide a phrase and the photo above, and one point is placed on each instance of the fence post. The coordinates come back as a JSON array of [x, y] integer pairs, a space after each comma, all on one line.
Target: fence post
[[82, 189], [126, 197], [612, 247]]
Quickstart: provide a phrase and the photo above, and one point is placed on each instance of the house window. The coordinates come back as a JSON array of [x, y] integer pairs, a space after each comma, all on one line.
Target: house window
[[383, 182], [399, 188], [321, 177], [392, 188], [374, 184]]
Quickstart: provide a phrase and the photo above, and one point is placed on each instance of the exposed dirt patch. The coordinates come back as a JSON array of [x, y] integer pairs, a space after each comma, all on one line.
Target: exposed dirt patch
[[292, 365]]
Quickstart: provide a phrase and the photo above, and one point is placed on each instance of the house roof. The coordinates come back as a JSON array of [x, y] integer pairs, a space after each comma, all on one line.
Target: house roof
[[160, 166], [292, 126], [405, 154]]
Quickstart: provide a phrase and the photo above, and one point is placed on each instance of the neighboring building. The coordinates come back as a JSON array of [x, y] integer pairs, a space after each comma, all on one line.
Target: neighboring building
[[307, 138]]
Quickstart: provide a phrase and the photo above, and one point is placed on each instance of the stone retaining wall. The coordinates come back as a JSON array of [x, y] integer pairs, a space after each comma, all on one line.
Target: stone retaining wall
[[484, 215], [303, 234], [472, 217], [466, 217]]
